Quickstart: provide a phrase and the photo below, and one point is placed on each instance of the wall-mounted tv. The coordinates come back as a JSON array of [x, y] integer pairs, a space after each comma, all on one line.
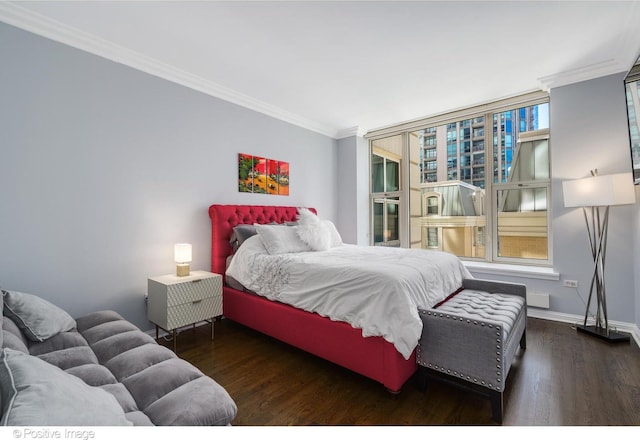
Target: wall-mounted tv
[[632, 86]]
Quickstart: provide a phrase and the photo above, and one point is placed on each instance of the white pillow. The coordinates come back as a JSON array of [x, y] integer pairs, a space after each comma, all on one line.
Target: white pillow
[[320, 235], [280, 239], [335, 238]]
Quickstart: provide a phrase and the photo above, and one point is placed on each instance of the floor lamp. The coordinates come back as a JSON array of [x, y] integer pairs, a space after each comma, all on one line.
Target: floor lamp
[[595, 195]]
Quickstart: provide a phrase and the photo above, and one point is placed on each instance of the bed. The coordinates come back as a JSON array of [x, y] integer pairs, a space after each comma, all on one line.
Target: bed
[[373, 356]]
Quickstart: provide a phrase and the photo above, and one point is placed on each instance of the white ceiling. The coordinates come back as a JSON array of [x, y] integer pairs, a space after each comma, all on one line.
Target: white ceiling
[[345, 67]]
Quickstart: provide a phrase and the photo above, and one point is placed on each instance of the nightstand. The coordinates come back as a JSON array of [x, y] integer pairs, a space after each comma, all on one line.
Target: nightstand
[[176, 302]]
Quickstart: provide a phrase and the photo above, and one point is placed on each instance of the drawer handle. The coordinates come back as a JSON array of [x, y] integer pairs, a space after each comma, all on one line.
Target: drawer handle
[[196, 302], [196, 281]]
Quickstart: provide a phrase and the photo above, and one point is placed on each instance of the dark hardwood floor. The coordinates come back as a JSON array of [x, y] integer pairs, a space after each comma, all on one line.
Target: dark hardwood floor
[[564, 378]]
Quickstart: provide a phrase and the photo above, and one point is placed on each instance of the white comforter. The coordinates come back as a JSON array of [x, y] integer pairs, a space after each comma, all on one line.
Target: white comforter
[[376, 289]]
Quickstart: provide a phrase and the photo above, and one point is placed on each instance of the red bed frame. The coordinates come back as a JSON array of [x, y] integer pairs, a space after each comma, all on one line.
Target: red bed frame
[[338, 342]]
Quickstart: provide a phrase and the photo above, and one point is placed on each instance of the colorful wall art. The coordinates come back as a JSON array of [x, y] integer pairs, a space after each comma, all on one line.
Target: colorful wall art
[[262, 176]]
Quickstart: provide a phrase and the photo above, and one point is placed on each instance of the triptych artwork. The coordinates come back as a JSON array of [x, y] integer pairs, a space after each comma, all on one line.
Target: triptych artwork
[[262, 176]]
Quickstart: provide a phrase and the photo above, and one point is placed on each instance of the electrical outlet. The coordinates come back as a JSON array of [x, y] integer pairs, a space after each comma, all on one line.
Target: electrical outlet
[[570, 283]]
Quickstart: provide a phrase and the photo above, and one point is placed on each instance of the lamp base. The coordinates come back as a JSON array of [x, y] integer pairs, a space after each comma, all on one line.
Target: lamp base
[[602, 333], [182, 270]]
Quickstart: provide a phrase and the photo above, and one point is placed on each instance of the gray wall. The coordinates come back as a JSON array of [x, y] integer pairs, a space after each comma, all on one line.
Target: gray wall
[[353, 183], [103, 168], [588, 130]]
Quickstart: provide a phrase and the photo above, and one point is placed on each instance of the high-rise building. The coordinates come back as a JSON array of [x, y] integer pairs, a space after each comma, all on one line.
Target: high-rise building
[[456, 151]]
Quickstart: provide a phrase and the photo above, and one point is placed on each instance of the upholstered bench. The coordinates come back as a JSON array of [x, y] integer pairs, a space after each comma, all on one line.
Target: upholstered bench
[[471, 339]]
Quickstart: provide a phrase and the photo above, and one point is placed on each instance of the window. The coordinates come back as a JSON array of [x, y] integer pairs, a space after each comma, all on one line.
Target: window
[[477, 182], [432, 238], [521, 200], [386, 173], [431, 204]]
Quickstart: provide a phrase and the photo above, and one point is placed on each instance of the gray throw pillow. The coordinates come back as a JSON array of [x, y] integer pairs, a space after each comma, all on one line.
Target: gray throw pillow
[[37, 318], [36, 393], [240, 234]]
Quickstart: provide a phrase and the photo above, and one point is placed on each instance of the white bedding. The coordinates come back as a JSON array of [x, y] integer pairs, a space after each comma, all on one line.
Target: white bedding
[[376, 289]]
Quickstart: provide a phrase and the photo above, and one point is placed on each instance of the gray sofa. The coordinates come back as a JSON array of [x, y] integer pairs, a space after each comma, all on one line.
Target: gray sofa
[[98, 370]]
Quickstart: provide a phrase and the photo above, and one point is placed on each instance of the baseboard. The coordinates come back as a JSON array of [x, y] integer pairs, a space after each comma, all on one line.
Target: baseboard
[[168, 335], [625, 327]]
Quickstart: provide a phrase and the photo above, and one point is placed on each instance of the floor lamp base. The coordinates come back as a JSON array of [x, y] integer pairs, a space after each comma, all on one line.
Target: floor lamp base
[[601, 333]]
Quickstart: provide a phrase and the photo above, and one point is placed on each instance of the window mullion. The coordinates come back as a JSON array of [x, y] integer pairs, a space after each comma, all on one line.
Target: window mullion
[[488, 187]]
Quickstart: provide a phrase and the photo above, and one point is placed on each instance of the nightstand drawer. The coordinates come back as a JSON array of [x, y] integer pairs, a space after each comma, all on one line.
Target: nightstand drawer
[[173, 290], [188, 313], [195, 290]]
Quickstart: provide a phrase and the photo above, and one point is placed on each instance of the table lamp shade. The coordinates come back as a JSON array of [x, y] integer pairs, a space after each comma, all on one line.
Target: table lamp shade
[[182, 253], [182, 257], [607, 190]]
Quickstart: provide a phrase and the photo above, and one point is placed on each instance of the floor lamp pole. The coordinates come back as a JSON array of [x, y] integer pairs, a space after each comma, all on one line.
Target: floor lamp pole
[[597, 230]]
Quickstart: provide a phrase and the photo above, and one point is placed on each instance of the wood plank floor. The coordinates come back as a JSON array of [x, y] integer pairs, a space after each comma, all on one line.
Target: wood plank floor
[[564, 378]]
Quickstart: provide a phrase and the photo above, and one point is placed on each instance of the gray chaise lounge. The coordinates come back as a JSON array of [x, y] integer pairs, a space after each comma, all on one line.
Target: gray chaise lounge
[[97, 370]]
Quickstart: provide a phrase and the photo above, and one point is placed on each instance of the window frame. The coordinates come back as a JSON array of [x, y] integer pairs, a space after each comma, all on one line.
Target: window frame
[[387, 197], [487, 111]]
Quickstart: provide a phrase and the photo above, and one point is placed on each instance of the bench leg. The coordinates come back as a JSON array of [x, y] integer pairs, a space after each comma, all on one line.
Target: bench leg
[[523, 340], [496, 405], [422, 378]]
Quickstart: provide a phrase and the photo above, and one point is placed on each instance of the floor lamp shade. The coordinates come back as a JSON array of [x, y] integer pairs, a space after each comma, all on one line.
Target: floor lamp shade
[[597, 194], [608, 190]]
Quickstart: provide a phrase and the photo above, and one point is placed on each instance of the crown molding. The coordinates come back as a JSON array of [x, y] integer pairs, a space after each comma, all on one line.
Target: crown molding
[[43, 26], [583, 73], [348, 132]]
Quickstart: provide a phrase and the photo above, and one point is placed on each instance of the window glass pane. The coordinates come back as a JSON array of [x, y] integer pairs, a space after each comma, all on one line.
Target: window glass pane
[[386, 221], [386, 156], [507, 127], [451, 219], [432, 237], [378, 221], [393, 176], [377, 173], [522, 223], [392, 230], [432, 205]]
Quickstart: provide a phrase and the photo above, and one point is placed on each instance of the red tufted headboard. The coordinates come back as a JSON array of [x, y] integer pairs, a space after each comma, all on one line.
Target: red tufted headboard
[[225, 217]]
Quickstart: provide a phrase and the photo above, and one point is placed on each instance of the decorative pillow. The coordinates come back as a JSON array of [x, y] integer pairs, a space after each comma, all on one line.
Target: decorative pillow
[[36, 317], [240, 234], [36, 393], [320, 235], [335, 239], [281, 239]]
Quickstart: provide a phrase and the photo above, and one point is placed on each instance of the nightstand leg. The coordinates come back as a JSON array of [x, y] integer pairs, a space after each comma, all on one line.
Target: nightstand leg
[[212, 327], [175, 340], [157, 335]]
